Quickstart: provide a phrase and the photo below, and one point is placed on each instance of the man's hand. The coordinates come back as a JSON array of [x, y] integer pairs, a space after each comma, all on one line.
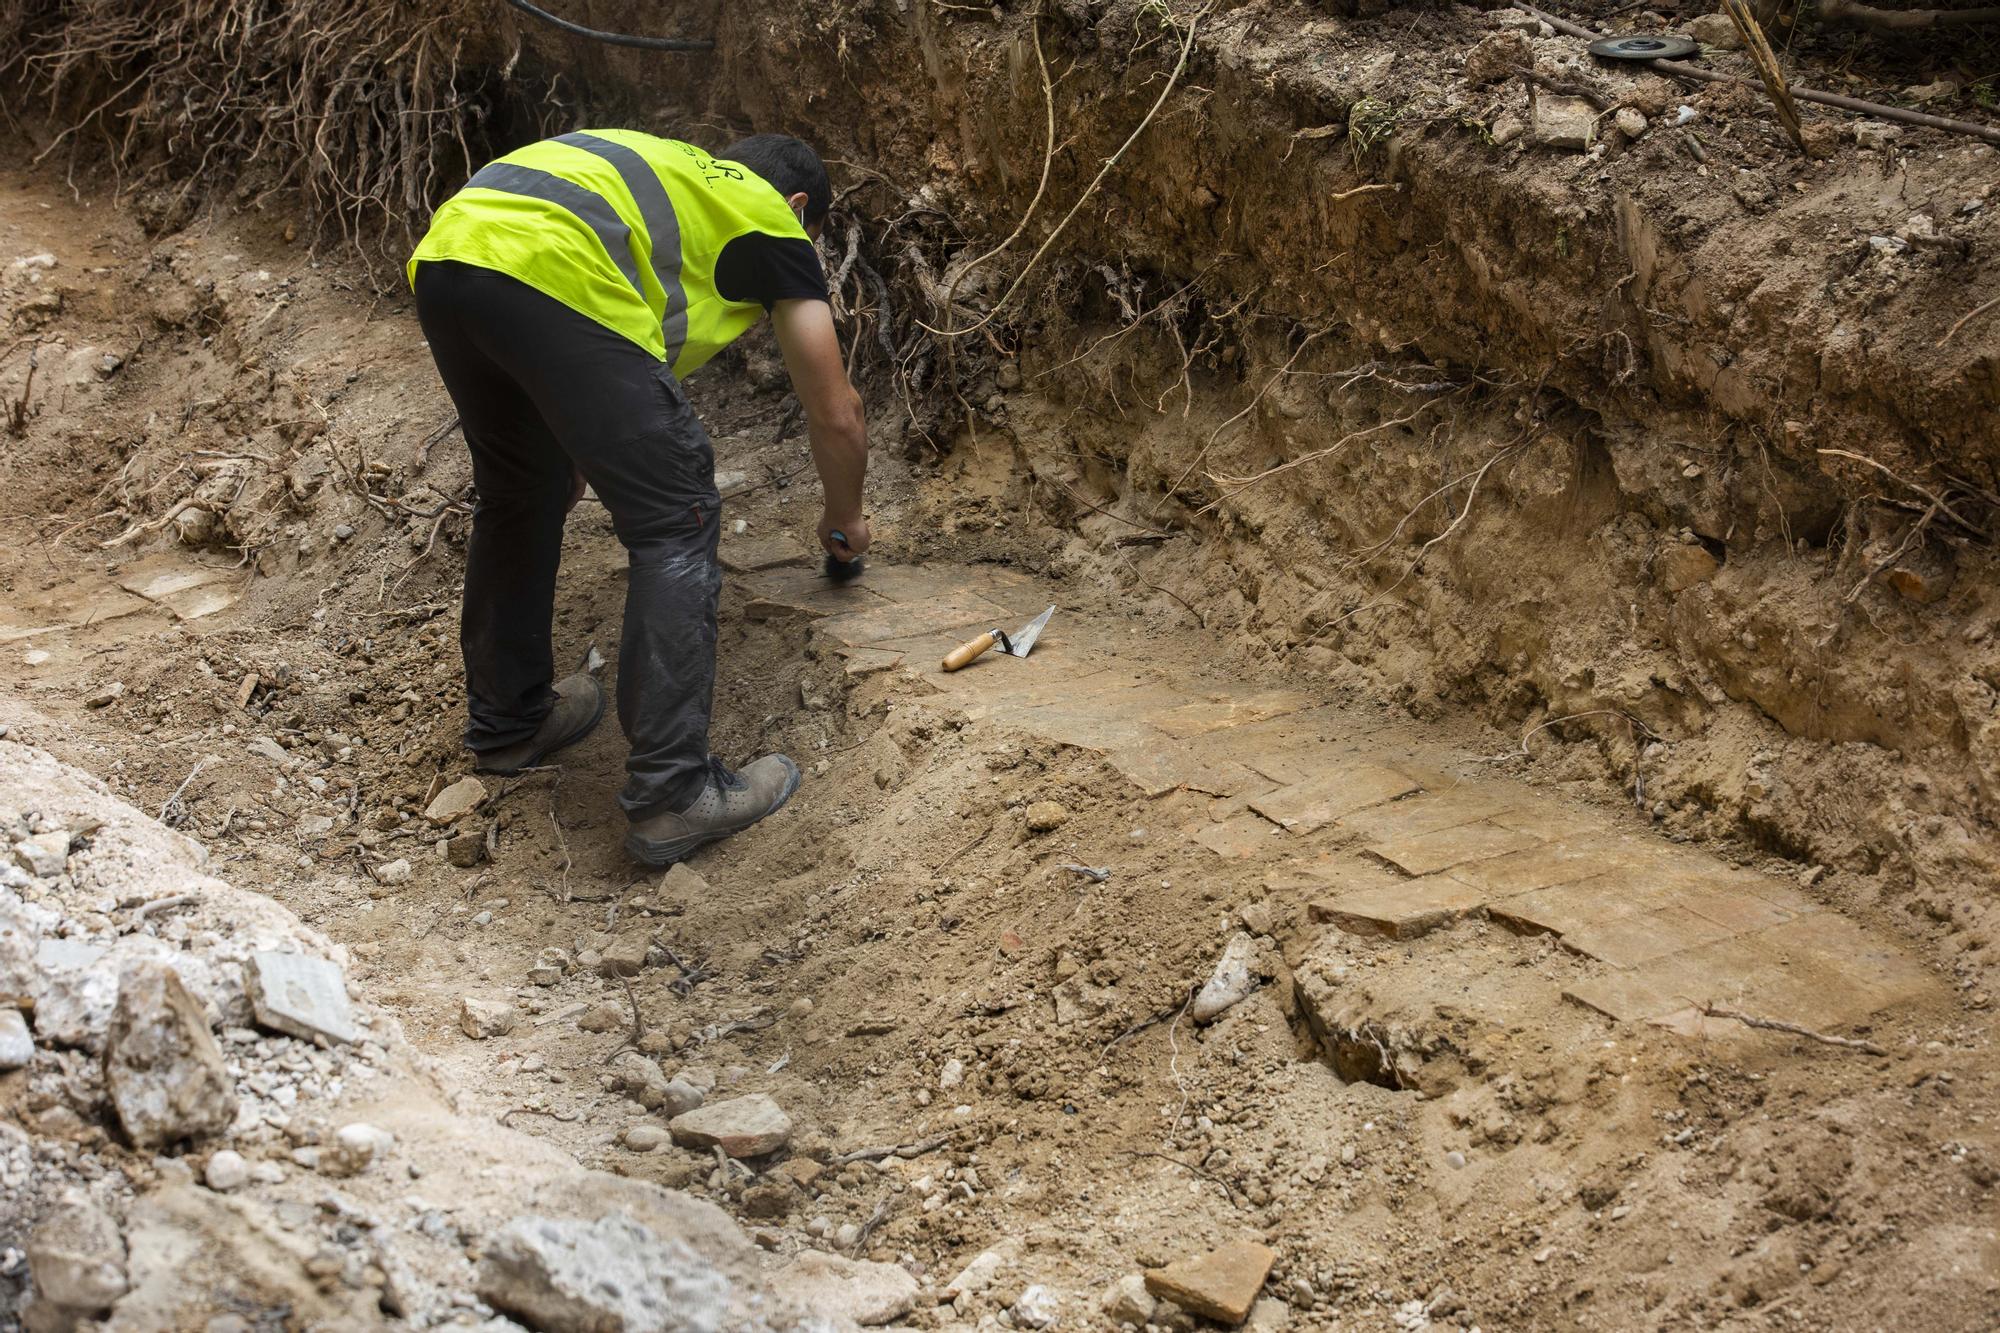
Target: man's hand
[[853, 529], [835, 424]]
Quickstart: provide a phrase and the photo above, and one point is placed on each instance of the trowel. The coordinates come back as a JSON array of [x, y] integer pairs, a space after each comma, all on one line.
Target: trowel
[[1018, 644]]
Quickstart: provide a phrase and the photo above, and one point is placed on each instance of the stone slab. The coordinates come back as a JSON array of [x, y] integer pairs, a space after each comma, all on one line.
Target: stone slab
[[1332, 875], [869, 661], [68, 606], [1586, 902], [1203, 716], [1739, 909], [1307, 807], [1012, 592], [1542, 867], [1428, 812], [1291, 758], [1818, 970], [1240, 837], [301, 996], [1111, 720], [189, 591], [1157, 770], [904, 619], [1428, 853], [1631, 940], [1824, 943], [1553, 823], [1400, 911], [777, 550], [1635, 996]]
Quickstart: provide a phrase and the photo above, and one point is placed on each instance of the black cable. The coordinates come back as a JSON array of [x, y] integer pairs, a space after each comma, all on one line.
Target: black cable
[[613, 38]]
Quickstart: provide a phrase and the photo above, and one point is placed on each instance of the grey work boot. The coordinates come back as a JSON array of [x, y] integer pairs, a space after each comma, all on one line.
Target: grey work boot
[[579, 705], [729, 803]]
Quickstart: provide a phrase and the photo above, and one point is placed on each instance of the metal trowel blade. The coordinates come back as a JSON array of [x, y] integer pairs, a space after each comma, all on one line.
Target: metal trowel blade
[[1021, 644]]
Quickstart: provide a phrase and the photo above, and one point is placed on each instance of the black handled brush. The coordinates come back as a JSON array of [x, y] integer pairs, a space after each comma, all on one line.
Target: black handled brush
[[842, 571]]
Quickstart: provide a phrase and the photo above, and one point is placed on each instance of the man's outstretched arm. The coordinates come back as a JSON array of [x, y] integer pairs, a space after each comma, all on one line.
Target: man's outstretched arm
[[835, 423]]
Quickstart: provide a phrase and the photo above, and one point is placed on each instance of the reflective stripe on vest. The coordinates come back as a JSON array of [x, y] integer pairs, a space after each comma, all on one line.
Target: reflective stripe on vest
[[661, 223], [594, 209], [621, 227]]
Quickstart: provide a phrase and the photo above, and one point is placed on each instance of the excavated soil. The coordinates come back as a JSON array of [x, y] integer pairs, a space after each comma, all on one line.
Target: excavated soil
[[1554, 541], [1424, 1130]]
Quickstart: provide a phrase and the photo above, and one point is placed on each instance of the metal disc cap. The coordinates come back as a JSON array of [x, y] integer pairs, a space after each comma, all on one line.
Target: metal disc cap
[[1644, 46]]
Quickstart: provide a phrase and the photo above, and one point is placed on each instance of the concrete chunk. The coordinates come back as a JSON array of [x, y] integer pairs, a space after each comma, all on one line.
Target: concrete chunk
[[868, 1293], [163, 1071], [301, 996], [608, 1276]]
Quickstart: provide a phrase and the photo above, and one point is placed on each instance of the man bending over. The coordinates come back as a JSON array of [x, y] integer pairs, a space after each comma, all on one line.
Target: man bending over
[[566, 293]]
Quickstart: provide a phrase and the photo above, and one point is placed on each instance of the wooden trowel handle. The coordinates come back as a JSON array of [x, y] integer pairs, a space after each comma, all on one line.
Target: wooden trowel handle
[[964, 654]]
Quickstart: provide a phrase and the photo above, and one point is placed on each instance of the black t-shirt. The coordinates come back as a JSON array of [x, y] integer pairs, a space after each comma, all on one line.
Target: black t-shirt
[[757, 266]]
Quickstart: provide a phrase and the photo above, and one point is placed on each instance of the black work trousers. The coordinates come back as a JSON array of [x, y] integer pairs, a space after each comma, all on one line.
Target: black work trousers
[[538, 388]]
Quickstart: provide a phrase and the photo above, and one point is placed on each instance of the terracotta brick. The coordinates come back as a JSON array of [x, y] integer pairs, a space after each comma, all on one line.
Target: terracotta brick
[[1220, 1285]]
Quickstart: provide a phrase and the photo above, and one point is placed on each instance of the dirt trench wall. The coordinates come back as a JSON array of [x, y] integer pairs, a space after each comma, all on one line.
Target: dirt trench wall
[[1651, 351], [1551, 421]]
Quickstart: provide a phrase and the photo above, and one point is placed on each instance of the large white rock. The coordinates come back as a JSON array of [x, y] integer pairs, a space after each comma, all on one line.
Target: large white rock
[[480, 1019], [163, 1070], [79, 984], [608, 1276], [17, 1044], [354, 1148], [43, 854], [741, 1126], [1128, 1302], [1564, 122], [1232, 980]]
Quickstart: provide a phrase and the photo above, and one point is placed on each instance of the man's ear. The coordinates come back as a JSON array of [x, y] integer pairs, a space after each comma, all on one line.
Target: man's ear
[[797, 203]]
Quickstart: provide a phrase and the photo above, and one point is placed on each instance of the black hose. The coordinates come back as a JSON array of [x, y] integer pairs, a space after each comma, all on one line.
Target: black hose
[[613, 38]]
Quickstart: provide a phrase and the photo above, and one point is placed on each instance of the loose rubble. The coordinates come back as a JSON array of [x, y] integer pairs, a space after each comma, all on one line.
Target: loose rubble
[[154, 1034]]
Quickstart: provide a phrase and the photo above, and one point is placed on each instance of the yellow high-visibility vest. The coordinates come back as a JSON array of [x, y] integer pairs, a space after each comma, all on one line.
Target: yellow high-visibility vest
[[621, 227]]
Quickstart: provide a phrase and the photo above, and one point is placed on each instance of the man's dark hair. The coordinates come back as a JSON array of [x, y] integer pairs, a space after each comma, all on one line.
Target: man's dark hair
[[788, 164]]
